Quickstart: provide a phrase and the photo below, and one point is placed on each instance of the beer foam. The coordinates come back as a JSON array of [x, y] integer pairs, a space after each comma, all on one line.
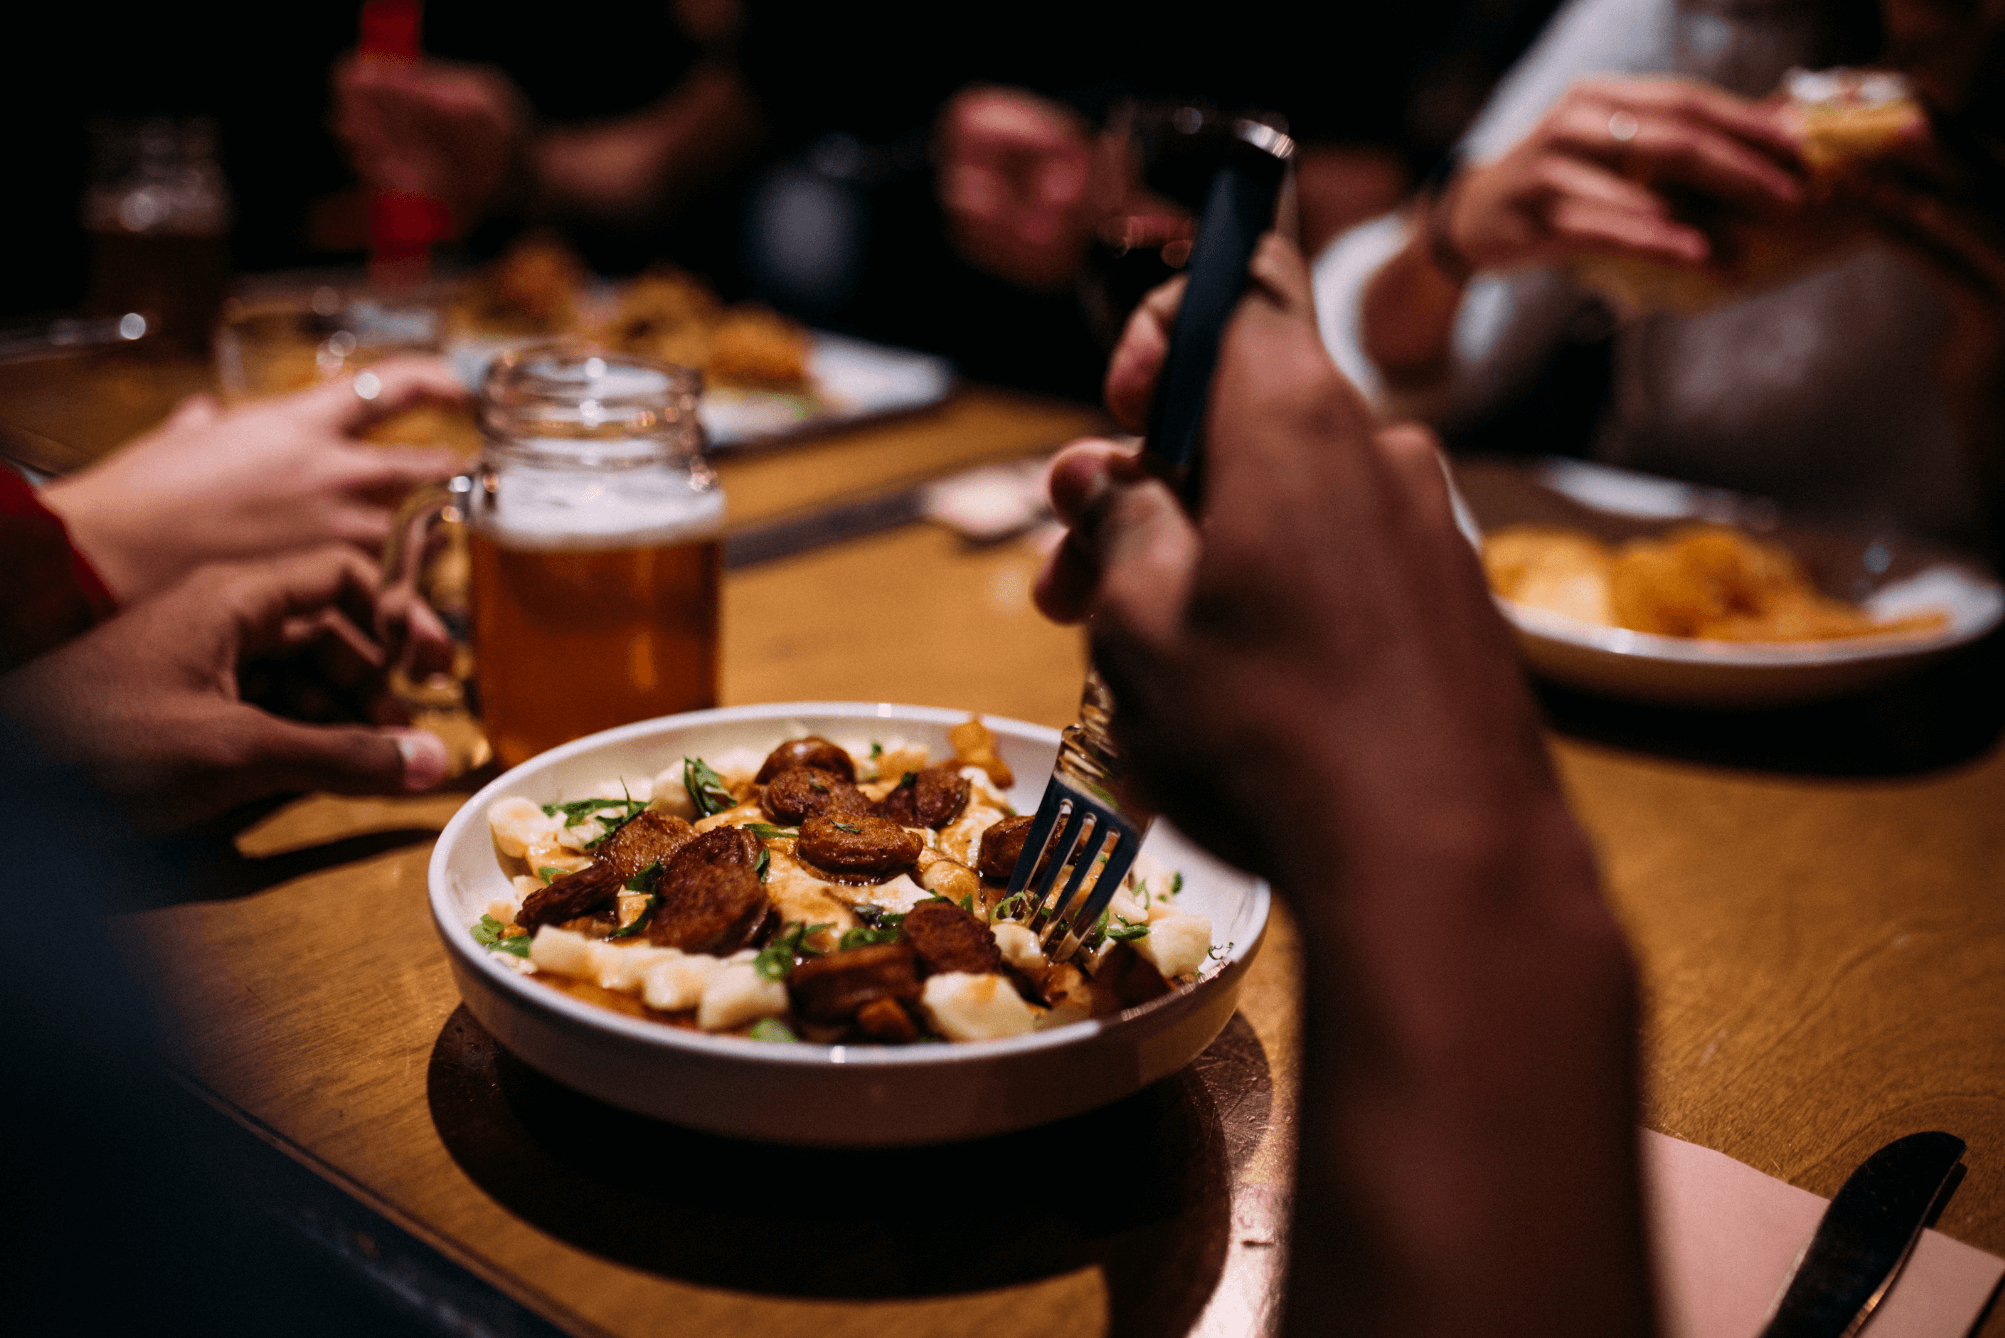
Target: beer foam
[[540, 508]]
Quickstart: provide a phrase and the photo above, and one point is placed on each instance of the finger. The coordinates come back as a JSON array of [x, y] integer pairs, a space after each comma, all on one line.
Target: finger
[[1138, 358], [1564, 177], [1761, 125], [1589, 225], [392, 471], [1689, 150], [261, 598], [394, 384], [197, 411], [1278, 272], [1081, 473], [1147, 550], [283, 756]]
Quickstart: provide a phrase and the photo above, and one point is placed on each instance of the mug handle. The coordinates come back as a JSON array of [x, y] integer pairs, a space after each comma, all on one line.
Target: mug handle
[[404, 555]]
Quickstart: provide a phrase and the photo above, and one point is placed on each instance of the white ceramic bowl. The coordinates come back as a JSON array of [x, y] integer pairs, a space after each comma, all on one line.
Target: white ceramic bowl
[[827, 1095], [1890, 574]]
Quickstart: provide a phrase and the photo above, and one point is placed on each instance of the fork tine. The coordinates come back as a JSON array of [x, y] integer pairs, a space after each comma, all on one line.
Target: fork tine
[[1083, 859], [1051, 861], [1062, 940], [1049, 810]]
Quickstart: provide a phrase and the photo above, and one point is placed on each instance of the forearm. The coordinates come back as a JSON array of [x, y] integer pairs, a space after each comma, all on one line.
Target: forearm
[[640, 168], [1468, 1140], [1407, 316]]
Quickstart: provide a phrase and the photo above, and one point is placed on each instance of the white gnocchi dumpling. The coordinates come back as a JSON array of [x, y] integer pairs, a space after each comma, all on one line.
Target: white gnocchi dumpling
[[737, 994], [1176, 944], [967, 1007], [519, 823]]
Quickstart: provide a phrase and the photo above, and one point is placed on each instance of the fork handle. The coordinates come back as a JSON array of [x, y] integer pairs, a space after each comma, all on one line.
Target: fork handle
[[1239, 207]]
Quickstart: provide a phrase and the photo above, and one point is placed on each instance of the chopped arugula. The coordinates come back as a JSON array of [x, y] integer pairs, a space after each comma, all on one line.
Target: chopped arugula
[[645, 880], [610, 814], [550, 873], [763, 863], [488, 934], [639, 922], [766, 831], [772, 1029], [778, 958], [706, 788]]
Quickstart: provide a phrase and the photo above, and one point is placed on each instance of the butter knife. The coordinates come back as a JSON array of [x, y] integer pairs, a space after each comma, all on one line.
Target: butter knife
[[1865, 1237]]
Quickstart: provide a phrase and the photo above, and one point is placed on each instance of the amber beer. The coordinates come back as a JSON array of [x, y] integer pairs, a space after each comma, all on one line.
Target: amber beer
[[571, 641]]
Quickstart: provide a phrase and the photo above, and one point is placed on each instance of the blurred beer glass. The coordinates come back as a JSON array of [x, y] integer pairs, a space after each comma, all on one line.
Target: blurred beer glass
[[276, 344], [596, 547], [158, 212]]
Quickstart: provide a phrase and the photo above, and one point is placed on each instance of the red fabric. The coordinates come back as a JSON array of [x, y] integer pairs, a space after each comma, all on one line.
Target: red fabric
[[49, 592]]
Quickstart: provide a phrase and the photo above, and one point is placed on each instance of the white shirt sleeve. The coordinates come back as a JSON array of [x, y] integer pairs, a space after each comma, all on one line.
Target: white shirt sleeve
[[1507, 323]]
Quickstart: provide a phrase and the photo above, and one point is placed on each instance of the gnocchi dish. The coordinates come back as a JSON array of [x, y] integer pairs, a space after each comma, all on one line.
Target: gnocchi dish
[[830, 892]]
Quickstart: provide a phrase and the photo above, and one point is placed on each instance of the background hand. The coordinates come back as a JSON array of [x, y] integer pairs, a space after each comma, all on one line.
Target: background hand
[[272, 475], [1592, 176], [239, 683], [454, 133], [1022, 184]]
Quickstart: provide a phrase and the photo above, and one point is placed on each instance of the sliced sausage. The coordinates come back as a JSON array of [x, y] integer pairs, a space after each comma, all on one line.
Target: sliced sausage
[[1124, 978], [652, 836], [813, 751], [1002, 846], [930, 798], [856, 843], [886, 1020], [948, 938], [832, 988], [711, 898], [803, 792]]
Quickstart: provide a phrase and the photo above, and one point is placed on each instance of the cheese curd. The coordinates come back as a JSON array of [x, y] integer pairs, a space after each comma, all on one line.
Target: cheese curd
[[966, 1007]]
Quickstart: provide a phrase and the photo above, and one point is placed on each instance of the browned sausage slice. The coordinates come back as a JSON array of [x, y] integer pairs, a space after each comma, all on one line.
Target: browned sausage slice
[[652, 836], [813, 751], [711, 898], [930, 798], [947, 938], [1002, 846], [803, 792], [831, 989], [856, 843], [886, 1020]]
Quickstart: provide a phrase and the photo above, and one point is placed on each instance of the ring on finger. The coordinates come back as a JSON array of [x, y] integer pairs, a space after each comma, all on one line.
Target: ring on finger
[[367, 386], [1622, 126]]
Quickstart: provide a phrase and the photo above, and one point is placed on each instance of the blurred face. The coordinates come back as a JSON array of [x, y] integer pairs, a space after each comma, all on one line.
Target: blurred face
[[1954, 51]]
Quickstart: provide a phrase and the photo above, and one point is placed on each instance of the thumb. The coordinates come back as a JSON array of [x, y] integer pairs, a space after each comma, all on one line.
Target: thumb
[[286, 756]]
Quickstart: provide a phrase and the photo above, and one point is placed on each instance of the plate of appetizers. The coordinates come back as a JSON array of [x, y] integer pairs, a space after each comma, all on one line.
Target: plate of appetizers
[[1661, 591], [765, 377], [790, 923]]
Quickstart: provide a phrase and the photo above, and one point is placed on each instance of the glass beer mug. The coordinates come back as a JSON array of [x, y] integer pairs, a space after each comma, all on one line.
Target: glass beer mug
[[593, 547]]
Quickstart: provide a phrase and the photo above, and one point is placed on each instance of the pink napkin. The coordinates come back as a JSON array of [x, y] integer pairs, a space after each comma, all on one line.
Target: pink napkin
[[1725, 1236]]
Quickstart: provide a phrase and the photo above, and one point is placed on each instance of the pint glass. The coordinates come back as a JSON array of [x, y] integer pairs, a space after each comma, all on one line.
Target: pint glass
[[593, 531]]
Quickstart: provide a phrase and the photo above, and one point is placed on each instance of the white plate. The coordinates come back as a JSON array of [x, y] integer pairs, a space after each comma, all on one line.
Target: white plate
[[1890, 574], [827, 1095], [851, 381]]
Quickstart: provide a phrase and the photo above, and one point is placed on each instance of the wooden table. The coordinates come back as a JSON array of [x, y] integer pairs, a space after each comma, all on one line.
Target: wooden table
[[1821, 954]]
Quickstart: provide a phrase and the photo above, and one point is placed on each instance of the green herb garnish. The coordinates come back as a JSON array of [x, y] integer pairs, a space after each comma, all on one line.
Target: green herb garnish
[[488, 934], [778, 958], [706, 788], [1176, 883], [772, 1029], [1007, 907], [645, 880], [766, 831], [848, 827], [879, 926], [610, 814], [968, 903], [639, 922], [1127, 930], [761, 864], [550, 873], [876, 751]]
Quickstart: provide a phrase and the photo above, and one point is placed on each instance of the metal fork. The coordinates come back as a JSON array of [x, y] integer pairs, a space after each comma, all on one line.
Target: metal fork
[[1080, 803]]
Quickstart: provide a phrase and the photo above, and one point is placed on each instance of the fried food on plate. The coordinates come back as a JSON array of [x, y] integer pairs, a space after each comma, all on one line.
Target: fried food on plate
[[529, 291], [1707, 582], [669, 316]]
